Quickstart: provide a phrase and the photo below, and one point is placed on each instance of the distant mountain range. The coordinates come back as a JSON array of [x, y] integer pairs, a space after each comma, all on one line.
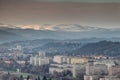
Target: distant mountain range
[[60, 32]]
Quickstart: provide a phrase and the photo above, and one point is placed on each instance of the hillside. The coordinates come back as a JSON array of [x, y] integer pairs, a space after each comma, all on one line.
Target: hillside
[[68, 47], [59, 47], [100, 48], [7, 36]]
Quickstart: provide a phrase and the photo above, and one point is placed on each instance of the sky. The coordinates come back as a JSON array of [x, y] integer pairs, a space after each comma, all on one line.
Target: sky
[[33, 13]]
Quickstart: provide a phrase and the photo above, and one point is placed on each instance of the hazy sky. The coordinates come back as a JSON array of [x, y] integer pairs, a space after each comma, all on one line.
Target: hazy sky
[[100, 13]]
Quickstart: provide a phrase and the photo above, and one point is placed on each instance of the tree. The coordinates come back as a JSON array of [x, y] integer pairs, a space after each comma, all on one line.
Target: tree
[[5, 77], [8, 73], [44, 78], [38, 78], [21, 77], [28, 77], [50, 79], [14, 79]]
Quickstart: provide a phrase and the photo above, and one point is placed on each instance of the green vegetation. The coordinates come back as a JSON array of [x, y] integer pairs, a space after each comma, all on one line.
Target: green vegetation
[[44, 78]]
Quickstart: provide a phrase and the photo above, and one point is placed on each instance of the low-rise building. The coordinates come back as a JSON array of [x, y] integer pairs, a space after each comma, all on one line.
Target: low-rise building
[[91, 77], [78, 60], [109, 78], [21, 62]]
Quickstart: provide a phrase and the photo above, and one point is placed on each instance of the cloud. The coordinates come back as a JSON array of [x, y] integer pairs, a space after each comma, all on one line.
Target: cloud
[[73, 27], [53, 27], [7, 25], [59, 27], [37, 27]]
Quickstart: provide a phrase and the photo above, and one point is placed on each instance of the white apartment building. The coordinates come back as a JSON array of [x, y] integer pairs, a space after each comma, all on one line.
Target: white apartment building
[[114, 70], [108, 63], [69, 60], [74, 68], [39, 59], [96, 69], [59, 68], [91, 77]]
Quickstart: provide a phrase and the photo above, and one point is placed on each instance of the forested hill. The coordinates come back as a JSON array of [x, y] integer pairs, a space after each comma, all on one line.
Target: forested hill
[[67, 47], [100, 48]]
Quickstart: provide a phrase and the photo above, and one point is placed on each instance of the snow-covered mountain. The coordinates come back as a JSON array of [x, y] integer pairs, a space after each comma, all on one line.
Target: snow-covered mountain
[[49, 31], [59, 27]]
